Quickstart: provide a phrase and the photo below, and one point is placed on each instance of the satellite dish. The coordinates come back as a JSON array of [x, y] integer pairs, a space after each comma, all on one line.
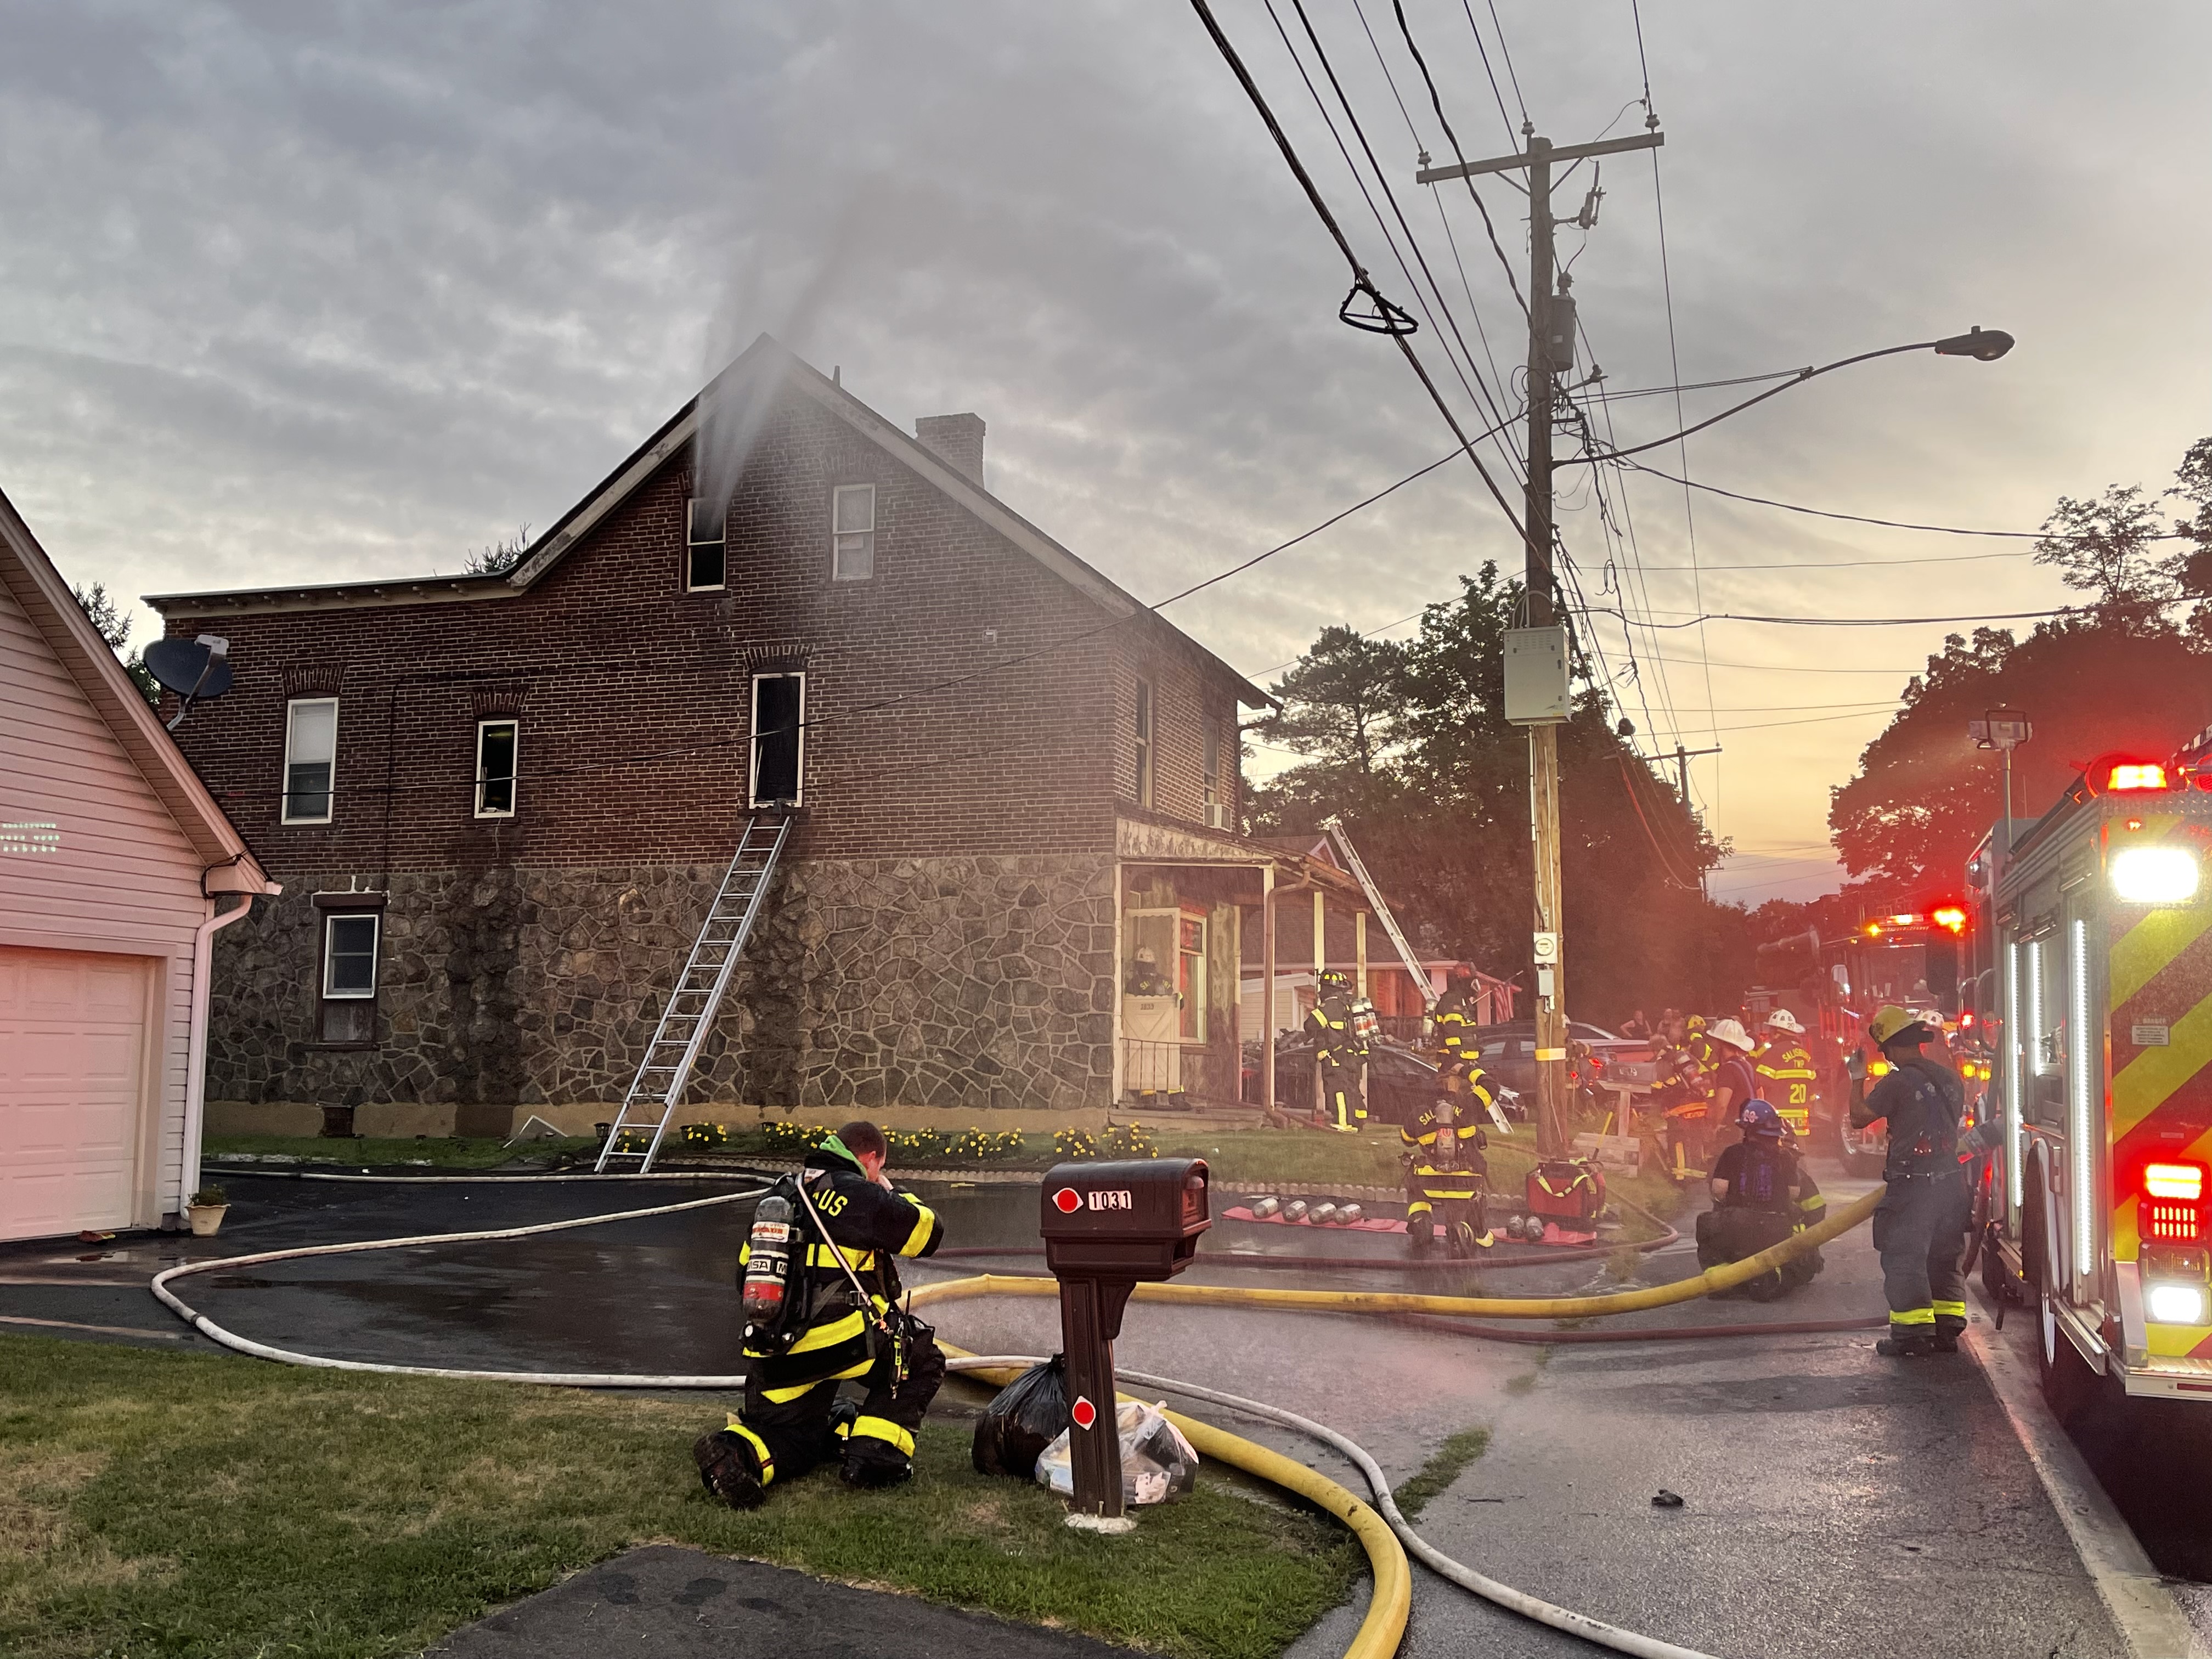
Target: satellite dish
[[196, 670]]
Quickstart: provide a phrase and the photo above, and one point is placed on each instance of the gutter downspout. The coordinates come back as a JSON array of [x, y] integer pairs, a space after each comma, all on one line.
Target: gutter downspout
[[196, 1053]]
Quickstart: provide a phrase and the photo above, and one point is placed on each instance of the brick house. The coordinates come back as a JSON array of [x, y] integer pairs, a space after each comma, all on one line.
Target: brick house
[[500, 804]]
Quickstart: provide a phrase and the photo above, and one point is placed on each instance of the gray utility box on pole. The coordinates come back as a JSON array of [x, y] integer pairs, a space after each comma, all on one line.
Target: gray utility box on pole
[[1536, 675], [1105, 1227]]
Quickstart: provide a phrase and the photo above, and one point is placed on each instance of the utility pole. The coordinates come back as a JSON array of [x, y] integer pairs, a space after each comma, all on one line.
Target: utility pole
[[1549, 351], [1682, 758]]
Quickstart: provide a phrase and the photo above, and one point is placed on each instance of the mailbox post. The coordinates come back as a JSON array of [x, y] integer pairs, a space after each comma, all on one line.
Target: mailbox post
[[1107, 1226]]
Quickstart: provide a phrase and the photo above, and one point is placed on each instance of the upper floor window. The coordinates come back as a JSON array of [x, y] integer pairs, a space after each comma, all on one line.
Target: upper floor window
[[706, 553], [779, 739], [853, 533], [311, 758], [496, 752], [1217, 808], [1144, 743]]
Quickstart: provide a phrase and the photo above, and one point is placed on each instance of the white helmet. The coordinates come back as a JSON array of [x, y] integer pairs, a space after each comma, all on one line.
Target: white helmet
[[1782, 1020], [1731, 1032]]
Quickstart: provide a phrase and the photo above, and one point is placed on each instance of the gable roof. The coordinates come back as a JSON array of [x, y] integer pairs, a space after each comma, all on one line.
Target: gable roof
[[30, 579], [764, 367]]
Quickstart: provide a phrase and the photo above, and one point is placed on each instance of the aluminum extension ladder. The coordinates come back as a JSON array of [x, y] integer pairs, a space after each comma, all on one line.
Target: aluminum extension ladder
[[689, 1015], [1334, 827]]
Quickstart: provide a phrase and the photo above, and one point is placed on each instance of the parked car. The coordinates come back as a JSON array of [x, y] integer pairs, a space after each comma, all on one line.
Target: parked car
[[1402, 1079], [1508, 1053]]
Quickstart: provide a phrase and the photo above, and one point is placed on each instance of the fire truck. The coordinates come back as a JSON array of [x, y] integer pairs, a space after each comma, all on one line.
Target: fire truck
[[1918, 959], [2094, 1209]]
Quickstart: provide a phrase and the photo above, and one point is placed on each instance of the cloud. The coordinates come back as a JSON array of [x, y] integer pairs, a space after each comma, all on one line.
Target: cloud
[[316, 290]]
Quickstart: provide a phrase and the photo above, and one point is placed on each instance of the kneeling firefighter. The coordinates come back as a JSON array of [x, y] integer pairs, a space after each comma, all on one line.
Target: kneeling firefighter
[[821, 1309], [1762, 1194], [1444, 1165]]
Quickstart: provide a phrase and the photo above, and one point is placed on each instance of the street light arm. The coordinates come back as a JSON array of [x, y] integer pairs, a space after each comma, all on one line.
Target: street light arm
[[1802, 376]]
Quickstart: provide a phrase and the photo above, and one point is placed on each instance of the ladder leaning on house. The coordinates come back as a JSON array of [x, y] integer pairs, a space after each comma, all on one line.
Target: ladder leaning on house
[[690, 1012]]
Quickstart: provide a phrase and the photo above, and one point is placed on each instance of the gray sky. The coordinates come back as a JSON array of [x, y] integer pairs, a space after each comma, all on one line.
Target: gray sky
[[312, 292]]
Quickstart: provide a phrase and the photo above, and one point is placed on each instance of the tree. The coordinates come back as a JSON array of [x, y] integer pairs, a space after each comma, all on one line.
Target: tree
[[2125, 676], [106, 616], [501, 556], [1438, 804]]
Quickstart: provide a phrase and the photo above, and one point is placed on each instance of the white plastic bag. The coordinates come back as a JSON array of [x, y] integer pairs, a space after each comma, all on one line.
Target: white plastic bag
[[1157, 1464]]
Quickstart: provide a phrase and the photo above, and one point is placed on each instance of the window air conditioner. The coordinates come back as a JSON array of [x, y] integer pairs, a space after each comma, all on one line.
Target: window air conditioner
[[1217, 815]]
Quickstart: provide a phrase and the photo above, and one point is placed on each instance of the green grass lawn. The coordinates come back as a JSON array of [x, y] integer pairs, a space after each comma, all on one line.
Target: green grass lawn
[[172, 1504], [444, 1152]]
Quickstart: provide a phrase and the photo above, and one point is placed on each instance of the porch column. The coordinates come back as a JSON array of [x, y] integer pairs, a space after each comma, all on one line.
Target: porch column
[[1268, 987], [1119, 1077]]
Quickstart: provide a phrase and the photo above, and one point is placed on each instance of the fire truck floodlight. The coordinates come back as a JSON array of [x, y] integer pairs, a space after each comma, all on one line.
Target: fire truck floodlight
[[2154, 875], [1952, 917], [2175, 1305]]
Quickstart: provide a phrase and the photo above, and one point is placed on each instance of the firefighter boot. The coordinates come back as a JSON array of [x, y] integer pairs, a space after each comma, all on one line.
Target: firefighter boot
[[733, 1466], [1906, 1342], [1948, 1329], [1420, 1233]]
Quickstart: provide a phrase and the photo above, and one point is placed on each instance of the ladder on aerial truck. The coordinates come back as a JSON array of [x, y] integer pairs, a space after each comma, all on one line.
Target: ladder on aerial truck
[[688, 1013], [1334, 827]]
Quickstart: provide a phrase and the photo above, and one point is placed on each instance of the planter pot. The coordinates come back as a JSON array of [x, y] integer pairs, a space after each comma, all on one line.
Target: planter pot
[[205, 1217], [338, 1123]]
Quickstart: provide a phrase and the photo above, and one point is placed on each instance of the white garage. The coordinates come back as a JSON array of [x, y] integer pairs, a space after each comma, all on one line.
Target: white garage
[[116, 868]]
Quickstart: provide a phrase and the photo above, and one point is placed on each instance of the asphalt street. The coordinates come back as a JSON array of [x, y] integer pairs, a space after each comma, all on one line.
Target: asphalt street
[[1832, 1498]]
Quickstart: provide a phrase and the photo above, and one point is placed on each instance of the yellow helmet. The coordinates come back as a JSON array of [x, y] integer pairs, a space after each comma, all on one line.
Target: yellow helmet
[[1697, 1023], [1893, 1023]]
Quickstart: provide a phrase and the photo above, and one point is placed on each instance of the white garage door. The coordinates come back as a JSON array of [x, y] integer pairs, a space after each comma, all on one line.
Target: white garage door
[[72, 1052]]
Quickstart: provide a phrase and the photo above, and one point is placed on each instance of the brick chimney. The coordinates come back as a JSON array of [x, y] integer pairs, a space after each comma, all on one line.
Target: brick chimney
[[955, 438]]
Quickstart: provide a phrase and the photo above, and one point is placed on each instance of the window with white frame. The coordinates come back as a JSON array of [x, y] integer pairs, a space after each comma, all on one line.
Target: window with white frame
[[311, 758], [496, 741], [1144, 733], [779, 739], [348, 986], [706, 553], [1209, 774], [852, 532]]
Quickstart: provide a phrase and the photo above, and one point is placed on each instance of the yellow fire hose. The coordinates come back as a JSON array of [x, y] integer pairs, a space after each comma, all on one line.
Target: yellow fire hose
[[1380, 1632]]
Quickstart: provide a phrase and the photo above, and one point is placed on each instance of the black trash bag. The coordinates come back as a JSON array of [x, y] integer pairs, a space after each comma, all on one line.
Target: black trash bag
[[1028, 1415]]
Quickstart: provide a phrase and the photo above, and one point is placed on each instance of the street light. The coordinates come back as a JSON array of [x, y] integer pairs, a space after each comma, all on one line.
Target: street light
[[1983, 345], [2002, 728]]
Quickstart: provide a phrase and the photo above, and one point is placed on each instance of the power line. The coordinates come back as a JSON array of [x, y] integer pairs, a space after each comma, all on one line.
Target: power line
[[1451, 137], [1505, 51], [1888, 524], [1344, 245], [1704, 616]]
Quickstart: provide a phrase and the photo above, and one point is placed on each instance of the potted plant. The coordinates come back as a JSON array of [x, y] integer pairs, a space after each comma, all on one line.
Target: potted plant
[[206, 1210]]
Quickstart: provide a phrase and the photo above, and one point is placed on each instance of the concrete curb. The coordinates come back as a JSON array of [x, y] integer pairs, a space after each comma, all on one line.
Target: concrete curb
[[2151, 1622]]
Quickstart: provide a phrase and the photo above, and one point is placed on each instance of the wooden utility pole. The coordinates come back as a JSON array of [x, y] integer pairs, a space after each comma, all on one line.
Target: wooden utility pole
[[1546, 357]]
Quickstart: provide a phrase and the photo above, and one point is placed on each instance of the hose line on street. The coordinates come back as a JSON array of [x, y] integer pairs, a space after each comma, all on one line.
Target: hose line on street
[[1380, 1536]]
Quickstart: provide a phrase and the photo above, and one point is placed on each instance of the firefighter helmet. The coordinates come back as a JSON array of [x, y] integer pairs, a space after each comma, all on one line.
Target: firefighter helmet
[[1782, 1020], [1731, 1032], [1758, 1118], [1893, 1024], [1335, 979]]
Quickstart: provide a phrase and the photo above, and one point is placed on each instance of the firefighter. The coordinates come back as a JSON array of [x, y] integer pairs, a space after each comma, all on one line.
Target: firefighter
[[829, 1333], [1784, 1066], [1733, 1081], [1145, 979], [1341, 1051], [1762, 1193], [1681, 1093], [1444, 1165], [1920, 1226], [1455, 1016]]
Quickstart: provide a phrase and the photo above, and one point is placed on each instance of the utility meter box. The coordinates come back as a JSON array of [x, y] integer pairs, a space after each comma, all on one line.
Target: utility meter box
[[1135, 1220], [1536, 675], [1107, 1226]]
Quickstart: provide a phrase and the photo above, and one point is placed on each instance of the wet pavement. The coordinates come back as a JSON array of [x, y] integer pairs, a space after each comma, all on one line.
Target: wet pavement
[[1832, 1497]]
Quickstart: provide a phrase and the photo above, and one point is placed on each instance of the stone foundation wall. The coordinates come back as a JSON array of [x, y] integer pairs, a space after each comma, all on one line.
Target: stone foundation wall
[[965, 984]]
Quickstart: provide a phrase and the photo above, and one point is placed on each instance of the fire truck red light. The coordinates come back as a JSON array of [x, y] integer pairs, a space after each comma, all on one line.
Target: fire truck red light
[[2131, 775], [2174, 1181]]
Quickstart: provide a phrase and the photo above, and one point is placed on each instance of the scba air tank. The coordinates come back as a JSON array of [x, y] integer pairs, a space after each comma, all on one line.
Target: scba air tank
[[768, 1260]]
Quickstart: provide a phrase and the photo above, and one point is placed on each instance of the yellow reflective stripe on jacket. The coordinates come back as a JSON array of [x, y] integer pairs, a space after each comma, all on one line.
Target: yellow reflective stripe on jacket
[[829, 1335], [925, 1218], [785, 1396], [1818, 1201], [882, 1428], [825, 1255]]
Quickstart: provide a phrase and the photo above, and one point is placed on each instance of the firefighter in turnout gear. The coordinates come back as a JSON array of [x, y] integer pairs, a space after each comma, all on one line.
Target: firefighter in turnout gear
[[1340, 1051], [1762, 1193], [1444, 1165], [1784, 1068], [1920, 1227], [1455, 1016], [1683, 1093], [829, 1333]]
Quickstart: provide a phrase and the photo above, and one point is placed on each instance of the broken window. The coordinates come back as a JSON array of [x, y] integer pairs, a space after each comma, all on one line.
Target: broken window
[[496, 752], [779, 738], [706, 533]]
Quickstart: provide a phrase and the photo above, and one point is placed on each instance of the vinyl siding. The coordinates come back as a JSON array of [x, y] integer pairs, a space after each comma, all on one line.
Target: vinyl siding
[[124, 876]]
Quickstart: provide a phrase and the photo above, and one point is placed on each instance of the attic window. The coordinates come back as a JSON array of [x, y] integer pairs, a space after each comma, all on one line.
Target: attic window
[[853, 533], [706, 550]]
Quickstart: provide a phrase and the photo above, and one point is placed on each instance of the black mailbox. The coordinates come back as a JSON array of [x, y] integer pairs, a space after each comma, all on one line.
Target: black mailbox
[[1106, 1226]]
